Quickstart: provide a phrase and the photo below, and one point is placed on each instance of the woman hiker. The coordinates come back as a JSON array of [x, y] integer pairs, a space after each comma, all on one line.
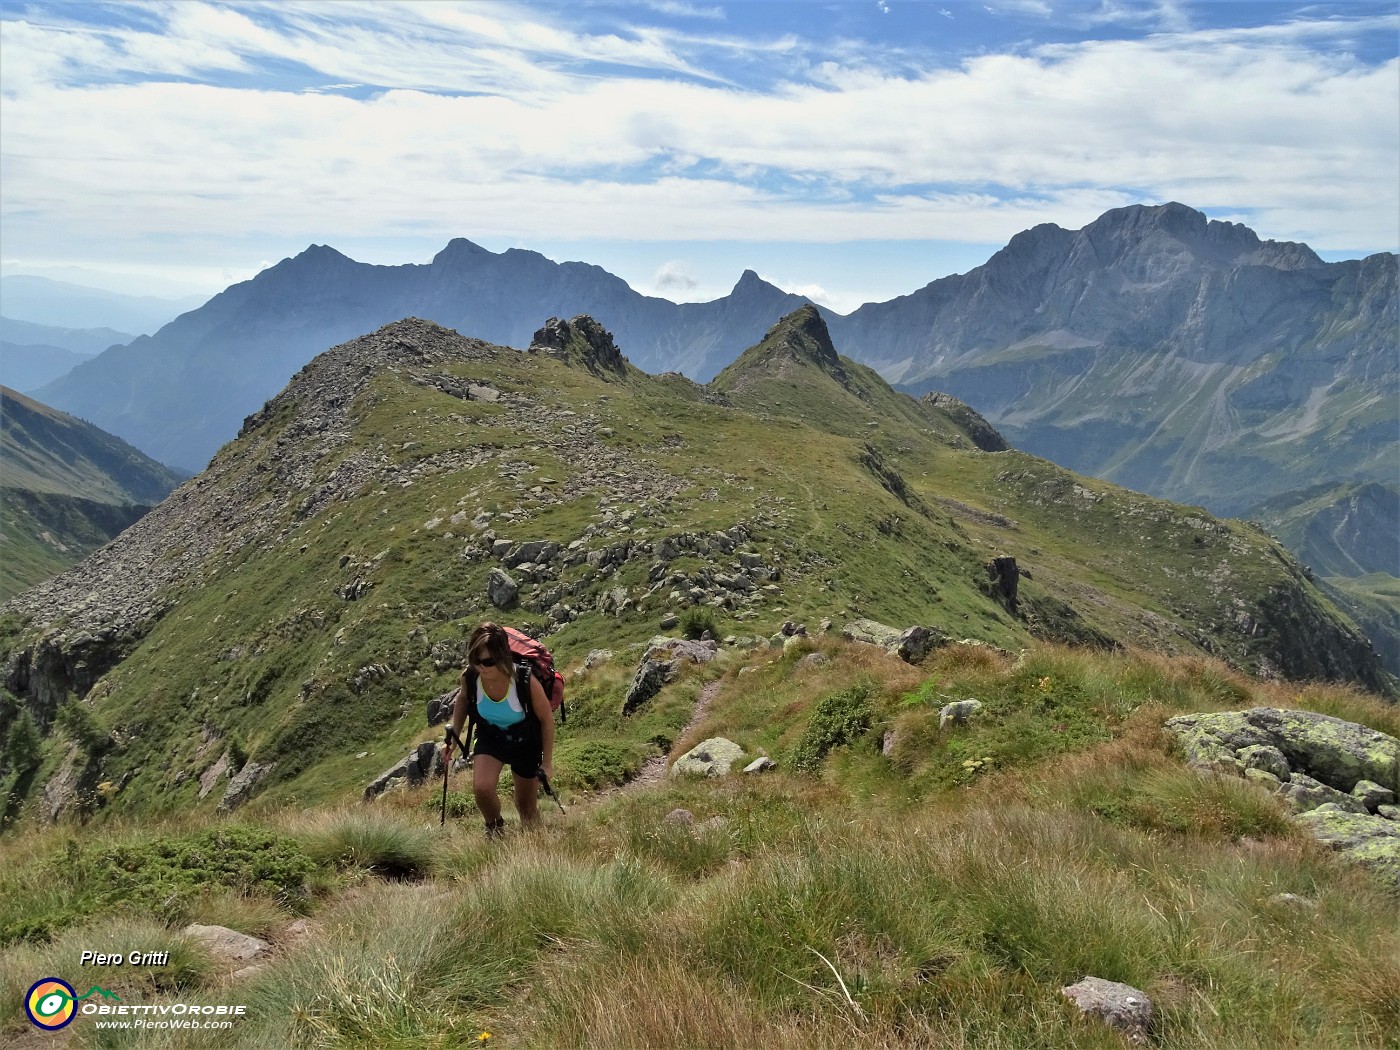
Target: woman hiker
[[511, 730]]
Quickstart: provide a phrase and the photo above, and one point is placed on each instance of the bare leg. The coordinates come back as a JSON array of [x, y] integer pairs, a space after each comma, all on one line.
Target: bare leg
[[527, 800], [486, 776]]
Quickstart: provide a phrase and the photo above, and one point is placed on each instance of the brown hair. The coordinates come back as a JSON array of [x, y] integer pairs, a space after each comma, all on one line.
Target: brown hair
[[491, 639]]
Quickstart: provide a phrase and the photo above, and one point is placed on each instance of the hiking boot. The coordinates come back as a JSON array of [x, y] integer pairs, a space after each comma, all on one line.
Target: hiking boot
[[496, 829]]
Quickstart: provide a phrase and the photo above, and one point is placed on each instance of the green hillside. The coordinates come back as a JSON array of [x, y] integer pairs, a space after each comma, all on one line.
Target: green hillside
[[66, 488], [895, 881], [297, 603]]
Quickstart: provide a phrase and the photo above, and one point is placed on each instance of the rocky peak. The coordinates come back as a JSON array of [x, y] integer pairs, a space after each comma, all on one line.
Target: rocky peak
[[315, 257], [1175, 227], [580, 341], [751, 284], [459, 250]]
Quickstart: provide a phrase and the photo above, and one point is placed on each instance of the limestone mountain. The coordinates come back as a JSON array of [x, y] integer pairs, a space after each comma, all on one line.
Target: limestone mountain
[[183, 392], [1170, 353], [66, 488], [297, 603]]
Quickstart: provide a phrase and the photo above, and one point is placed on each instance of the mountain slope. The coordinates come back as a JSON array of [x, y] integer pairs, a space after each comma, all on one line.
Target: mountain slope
[[183, 392], [66, 489], [300, 599], [1339, 530], [1163, 351]]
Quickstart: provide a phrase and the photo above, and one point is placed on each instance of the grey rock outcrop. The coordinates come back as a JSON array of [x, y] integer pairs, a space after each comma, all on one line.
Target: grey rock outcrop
[[958, 712], [660, 665], [225, 945], [414, 769], [1335, 775], [1336, 752], [502, 589], [911, 645], [244, 785], [1370, 841]]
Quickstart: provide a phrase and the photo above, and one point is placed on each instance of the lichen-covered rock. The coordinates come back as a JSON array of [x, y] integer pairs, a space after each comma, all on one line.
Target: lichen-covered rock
[[958, 712], [1267, 758], [1336, 752], [1304, 793], [1372, 795], [1370, 841], [911, 644], [710, 758]]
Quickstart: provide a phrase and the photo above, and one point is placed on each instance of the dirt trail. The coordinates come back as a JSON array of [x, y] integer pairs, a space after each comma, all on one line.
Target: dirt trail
[[653, 771]]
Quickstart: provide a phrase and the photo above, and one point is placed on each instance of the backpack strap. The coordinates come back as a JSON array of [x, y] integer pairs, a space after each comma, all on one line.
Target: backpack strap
[[524, 675]]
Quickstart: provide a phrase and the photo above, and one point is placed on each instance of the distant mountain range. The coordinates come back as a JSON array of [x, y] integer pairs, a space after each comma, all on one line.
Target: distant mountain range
[[34, 354], [66, 489], [60, 304], [1155, 348]]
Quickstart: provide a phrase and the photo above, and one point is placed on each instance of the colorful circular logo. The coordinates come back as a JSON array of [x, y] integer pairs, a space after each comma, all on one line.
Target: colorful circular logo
[[51, 1003]]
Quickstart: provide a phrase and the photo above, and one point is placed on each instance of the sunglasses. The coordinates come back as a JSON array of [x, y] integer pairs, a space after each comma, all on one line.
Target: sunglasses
[[483, 661]]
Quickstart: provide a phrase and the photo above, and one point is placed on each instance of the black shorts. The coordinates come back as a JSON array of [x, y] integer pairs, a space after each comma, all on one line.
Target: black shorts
[[519, 746]]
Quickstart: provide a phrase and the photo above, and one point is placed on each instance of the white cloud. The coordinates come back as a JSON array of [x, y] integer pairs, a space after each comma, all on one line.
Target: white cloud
[[675, 278], [515, 140]]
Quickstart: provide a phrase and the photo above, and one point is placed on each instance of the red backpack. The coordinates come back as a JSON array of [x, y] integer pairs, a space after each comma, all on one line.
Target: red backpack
[[531, 658]]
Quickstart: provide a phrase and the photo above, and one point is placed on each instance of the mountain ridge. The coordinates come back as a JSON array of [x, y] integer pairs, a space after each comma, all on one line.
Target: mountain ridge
[[313, 584], [1153, 347]]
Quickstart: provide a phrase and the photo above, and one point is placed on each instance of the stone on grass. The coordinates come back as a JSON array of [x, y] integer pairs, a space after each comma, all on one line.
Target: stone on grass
[[1121, 1006], [710, 758]]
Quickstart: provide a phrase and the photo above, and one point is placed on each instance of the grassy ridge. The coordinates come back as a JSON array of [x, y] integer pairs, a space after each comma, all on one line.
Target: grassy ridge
[[309, 638], [919, 898]]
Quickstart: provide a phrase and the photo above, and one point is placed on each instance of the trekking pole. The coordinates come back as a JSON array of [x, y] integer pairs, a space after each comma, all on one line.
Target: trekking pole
[[543, 778], [449, 739]]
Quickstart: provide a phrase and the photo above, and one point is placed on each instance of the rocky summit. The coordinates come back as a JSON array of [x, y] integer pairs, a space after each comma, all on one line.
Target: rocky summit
[[301, 598]]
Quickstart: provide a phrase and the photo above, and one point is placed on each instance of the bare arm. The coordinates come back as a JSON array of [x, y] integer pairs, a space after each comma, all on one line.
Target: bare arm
[[459, 715]]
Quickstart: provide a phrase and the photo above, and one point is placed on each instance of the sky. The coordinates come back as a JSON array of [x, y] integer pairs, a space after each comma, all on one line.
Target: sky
[[850, 151]]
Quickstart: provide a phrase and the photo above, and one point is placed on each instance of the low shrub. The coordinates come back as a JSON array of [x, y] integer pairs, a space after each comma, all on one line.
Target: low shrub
[[838, 719]]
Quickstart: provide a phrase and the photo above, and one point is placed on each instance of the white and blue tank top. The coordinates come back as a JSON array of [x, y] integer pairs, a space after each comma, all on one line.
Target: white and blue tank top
[[502, 713]]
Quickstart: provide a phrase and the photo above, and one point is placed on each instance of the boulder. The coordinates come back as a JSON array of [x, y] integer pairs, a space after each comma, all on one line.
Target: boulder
[[651, 676], [503, 591], [1266, 758], [1121, 1006], [760, 765], [1372, 795], [1339, 772], [1371, 841], [710, 758], [1304, 793], [415, 768], [661, 648], [440, 707]]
